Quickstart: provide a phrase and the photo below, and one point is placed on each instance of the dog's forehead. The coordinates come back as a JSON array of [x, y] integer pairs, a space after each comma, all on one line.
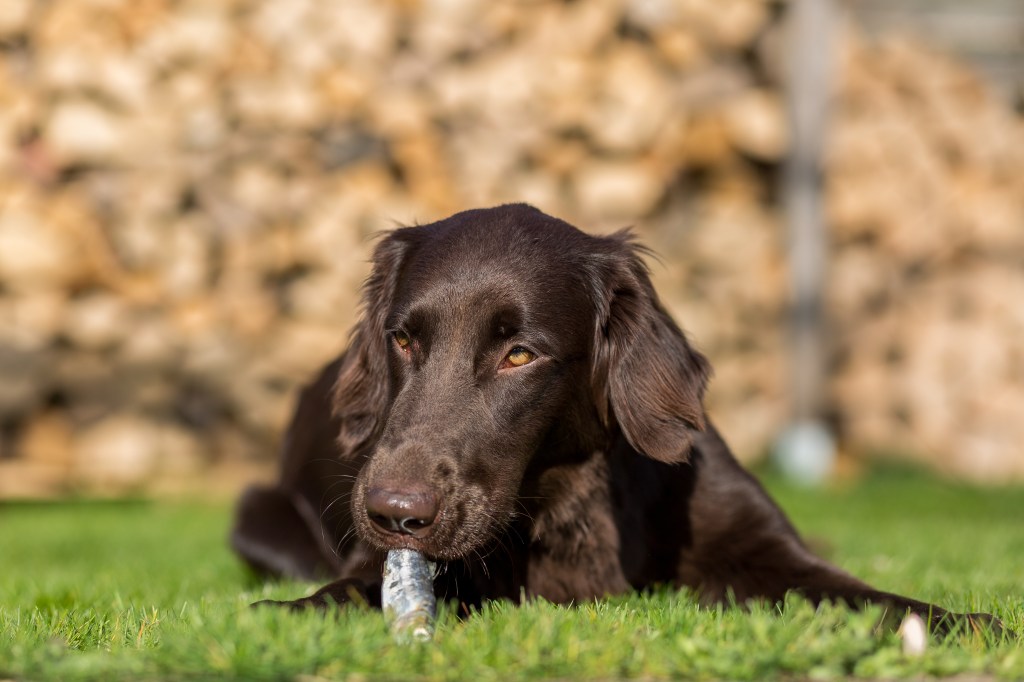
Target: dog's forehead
[[448, 282], [535, 265]]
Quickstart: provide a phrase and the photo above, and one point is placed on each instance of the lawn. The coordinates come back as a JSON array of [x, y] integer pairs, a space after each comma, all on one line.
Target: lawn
[[148, 590]]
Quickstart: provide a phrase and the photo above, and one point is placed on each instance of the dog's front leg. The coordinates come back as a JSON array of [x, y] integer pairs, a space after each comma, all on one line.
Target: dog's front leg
[[338, 593]]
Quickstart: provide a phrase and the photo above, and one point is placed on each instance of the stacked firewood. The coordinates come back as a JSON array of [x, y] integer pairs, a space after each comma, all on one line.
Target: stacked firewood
[[926, 202], [189, 192]]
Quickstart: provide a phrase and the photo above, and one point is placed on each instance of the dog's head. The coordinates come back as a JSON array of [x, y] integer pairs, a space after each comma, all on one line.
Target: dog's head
[[493, 344]]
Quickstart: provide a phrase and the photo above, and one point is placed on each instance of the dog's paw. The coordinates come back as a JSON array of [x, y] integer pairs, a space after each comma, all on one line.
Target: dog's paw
[[976, 624], [339, 593], [987, 623]]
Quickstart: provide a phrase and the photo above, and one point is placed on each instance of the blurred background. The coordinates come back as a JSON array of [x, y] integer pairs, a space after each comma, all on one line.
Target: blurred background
[[189, 191]]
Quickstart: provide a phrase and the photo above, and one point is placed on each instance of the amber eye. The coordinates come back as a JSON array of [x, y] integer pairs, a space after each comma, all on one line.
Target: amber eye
[[403, 340], [518, 357]]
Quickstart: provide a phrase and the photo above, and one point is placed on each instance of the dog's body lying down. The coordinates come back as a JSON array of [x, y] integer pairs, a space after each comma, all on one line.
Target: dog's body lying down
[[516, 404]]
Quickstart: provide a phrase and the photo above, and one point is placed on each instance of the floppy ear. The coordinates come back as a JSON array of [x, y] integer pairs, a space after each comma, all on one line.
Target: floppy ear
[[645, 371], [361, 392]]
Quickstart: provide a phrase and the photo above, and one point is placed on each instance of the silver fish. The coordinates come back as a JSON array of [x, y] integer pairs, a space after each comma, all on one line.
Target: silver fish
[[407, 594]]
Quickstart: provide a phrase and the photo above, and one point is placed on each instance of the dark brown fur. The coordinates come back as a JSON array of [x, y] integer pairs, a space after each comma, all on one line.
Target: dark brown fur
[[591, 471]]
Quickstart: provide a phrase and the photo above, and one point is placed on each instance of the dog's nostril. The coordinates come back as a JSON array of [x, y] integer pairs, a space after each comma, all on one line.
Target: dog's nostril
[[385, 522], [404, 511], [412, 526]]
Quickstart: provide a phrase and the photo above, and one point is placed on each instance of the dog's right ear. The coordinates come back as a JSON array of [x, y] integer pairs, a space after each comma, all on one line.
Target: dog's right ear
[[361, 392], [647, 377]]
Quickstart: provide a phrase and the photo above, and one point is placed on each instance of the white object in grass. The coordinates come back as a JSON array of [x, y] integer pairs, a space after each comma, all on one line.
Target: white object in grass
[[407, 594], [914, 635]]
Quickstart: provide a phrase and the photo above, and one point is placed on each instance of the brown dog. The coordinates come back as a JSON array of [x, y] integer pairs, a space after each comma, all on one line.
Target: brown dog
[[516, 404]]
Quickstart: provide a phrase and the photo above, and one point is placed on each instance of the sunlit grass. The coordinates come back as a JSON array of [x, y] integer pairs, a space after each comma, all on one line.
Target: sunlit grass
[[141, 590]]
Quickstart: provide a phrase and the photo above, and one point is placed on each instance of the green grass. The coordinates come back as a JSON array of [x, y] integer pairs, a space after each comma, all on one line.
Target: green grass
[[139, 590]]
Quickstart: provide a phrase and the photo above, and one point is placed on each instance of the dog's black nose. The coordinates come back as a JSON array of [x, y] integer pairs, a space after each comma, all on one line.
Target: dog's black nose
[[403, 510]]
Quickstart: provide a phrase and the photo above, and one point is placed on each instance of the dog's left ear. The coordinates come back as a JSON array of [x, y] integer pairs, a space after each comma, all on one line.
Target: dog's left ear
[[361, 391], [647, 377]]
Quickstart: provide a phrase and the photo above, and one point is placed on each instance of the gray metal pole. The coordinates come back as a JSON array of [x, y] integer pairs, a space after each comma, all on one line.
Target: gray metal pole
[[806, 449]]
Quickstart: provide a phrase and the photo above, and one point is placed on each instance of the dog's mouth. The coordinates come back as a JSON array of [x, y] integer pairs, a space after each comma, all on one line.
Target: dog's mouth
[[439, 544], [386, 543]]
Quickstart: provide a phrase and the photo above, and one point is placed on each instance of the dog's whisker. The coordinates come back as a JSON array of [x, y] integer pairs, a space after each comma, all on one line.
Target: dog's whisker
[[349, 535]]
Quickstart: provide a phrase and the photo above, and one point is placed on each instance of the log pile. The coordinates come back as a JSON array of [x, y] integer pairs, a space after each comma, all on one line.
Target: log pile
[[926, 202], [188, 194]]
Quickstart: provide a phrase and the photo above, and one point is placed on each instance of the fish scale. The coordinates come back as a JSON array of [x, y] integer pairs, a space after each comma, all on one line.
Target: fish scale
[[407, 594]]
